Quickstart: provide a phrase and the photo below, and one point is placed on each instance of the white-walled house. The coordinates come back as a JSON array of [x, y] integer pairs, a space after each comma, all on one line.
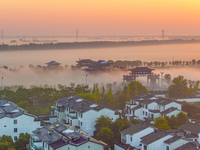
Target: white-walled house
[[82, 113], [59, 136], [149, 107], [175, 142], [155, 140], [14, 120], [191, 131], [131, 136]]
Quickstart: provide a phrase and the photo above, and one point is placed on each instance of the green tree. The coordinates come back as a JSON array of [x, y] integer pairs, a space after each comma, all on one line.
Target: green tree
[[167, 78], [88, 96], [22, 141], [173, 122], [106, 135], [161, 123], [178, 88], [121, 101], [135, 88], [103, 122], [182, 118]]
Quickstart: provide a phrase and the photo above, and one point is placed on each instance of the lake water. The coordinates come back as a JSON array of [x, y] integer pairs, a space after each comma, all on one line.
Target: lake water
[[184, 52]]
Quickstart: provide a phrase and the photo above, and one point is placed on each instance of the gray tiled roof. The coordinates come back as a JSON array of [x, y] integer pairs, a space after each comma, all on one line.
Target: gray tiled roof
[[169, 110], [134, 129], [187, 146], [83, 105], [11, 110], [136, 107], [152, 137], [172, 139], [193, 128]]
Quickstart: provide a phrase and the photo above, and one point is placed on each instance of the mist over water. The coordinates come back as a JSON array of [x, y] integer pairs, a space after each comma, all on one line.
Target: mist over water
[[27, 77]]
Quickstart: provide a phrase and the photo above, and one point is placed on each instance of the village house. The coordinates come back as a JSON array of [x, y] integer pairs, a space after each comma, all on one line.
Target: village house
[[59, 136], [80, 112], [15, 120], [148, 107]]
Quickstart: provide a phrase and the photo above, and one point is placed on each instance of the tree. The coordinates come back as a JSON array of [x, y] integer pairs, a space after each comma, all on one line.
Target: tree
[[103, 122], [167, 78], [88, 96], [179, 88], [22, 141], [161, 123], [182, 118], [106, 135], [121, 101], [173, 122], [135, 88]]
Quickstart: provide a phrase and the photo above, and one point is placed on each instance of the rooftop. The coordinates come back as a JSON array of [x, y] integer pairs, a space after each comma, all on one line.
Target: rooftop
[[141, 69], [152, 137], [172, 139], [188, 146], [191, 127], [58, 135], [78, 104], [134, 129], [169, 110]]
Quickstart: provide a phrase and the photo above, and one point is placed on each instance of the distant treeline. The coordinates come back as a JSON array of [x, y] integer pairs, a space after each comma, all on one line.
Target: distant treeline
[[95, 44]]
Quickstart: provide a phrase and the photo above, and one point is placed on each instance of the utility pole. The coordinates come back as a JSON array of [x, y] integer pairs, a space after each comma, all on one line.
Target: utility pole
[[161, 80], [2, 83], [85, 79]]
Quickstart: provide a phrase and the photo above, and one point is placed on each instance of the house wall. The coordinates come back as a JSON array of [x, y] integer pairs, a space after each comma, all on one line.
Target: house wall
[[139, 113], [157, 145], [136, 137], [175, 113], [153, 106], [24, 124], [176, 144], [85, 146], [173, 104]]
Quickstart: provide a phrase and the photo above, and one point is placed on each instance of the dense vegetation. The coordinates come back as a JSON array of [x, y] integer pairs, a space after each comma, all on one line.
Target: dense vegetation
[[6, 142]]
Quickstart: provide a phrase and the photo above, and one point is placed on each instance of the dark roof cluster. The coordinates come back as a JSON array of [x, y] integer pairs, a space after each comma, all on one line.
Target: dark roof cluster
[[58, 135], [78, 104]]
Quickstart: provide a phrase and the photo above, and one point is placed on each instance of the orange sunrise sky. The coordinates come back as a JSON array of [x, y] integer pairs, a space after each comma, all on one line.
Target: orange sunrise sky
[[99, 17]]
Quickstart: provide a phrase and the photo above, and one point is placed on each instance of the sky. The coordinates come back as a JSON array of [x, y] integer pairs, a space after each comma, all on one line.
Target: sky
[[99, 17]]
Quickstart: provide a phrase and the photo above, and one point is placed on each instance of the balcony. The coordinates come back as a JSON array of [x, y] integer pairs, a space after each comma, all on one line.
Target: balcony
[[72, 117], [154, 110]]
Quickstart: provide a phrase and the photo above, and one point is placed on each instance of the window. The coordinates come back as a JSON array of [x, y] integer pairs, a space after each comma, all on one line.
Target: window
[[167, 147], [81, 123], [15, 138], [81, 115], [146, 113], [15, 121], [68, 148], [146, 106], [15, 129], [145, 147], [143, 112], [88, 146], [131, 139]]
